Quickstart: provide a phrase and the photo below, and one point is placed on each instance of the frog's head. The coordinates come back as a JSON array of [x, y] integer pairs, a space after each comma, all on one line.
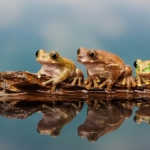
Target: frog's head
[[47, 58], [142, 66], [86, 56], [137, 64]]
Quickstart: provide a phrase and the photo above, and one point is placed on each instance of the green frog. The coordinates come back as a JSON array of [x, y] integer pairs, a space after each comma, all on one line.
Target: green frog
[[58, 68], [104, 65], [142, 72]]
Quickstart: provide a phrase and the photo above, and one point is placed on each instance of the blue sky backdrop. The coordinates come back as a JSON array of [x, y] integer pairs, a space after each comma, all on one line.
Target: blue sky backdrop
[[121, 27]]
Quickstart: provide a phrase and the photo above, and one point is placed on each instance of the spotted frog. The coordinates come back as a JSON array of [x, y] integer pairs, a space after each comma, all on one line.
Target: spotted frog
[[58, 68], [104, 65]]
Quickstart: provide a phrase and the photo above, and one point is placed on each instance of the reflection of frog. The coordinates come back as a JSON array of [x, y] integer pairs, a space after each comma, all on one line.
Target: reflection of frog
[[142, 72], [58, 68], [143, 114], [101, 64], [19, 110], [101, 119], [56, 116]]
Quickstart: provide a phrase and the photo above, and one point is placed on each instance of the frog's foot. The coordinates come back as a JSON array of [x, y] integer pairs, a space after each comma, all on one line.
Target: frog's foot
[[109, 84], [53, 89], [77, 80], [129, 81], [140, 80], [92, 80]]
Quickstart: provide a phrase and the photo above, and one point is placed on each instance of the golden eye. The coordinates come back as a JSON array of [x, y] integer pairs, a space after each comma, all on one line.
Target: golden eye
[[92, 55], [37, 53], [78, 51], [54, 55]]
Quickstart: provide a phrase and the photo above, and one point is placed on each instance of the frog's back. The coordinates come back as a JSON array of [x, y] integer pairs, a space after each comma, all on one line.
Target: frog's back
[[109, 58], [69, 62]]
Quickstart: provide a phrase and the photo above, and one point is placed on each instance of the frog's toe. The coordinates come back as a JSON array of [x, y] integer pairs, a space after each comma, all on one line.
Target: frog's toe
[[95, 83], [44, 84], [123, 81], [145, 81], [47, 82], [53, 89], [80, 79], [138, 81], [139, 84], [103, 84], [77, 80], [88, 86], [86, 81], [92, 81], [74, 81], [133, 83], [130, 82]]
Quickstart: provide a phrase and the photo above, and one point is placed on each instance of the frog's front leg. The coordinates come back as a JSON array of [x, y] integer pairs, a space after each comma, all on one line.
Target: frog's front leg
[[78, 78], [138, 80], [91, 80], [56, 80], [127, 78], [112, 76]]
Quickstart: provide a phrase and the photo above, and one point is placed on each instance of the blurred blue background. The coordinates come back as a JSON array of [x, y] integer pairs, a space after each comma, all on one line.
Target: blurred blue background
[[121, 27]]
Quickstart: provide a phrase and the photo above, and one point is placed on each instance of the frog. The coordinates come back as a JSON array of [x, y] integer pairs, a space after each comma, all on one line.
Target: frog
[[142, 70], [104, 69], [58, 68]]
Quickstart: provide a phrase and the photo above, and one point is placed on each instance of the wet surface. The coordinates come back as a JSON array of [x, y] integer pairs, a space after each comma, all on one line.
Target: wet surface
[[87, 122]]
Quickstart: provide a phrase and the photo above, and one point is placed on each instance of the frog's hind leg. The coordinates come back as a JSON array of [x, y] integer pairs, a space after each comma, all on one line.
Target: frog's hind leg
[[112, 77], [128, 80]]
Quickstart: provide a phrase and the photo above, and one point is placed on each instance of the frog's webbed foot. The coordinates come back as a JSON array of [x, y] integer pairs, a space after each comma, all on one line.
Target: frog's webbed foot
[[92, 80], [78, 78], [141, 80], [109, 84], [52, 80], [129, 81]]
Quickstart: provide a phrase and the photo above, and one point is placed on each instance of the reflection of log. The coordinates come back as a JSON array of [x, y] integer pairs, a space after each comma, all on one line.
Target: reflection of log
[[27, 86]]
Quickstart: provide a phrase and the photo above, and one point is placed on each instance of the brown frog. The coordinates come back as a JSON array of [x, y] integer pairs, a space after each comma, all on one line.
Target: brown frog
[[58, 68], [104, 65]]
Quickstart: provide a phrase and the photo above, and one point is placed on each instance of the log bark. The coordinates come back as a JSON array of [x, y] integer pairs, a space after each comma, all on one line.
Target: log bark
[[23, 85]]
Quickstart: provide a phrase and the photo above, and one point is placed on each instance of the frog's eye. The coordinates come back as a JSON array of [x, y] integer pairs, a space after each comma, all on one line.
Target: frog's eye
[[92, 54], [54, 55], [78, 51], [135, 64], [37, 53]]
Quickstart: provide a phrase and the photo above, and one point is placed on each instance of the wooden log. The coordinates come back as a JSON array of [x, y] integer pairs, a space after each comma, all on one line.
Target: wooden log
[[23, 85]]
